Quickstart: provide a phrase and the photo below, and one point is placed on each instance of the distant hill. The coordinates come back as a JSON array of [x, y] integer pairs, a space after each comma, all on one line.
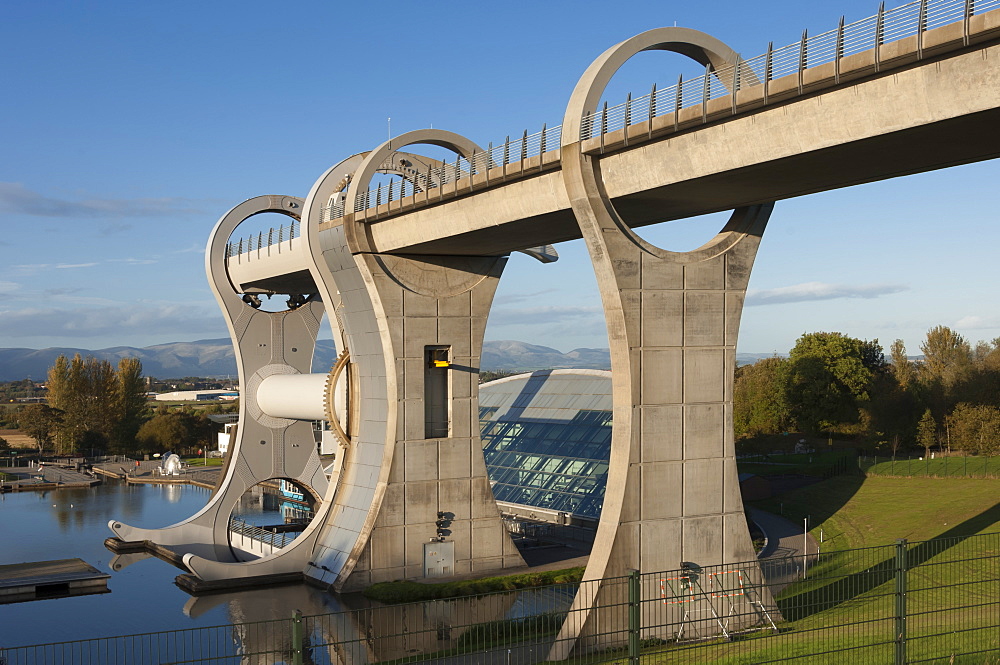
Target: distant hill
[[514, 355], [207, 357], [215, 358]]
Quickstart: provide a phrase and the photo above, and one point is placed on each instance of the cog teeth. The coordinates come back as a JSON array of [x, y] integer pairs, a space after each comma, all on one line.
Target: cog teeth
[[329, 395]]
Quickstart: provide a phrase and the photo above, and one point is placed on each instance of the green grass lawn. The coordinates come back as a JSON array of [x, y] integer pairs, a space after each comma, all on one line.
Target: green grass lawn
[[408, 592], [200, 461], [843, 611], [976, 467], [866, 512], [818, 464]]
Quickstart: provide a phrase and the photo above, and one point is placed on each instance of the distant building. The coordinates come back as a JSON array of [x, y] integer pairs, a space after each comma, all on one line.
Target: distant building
[[198, 396], [323, 435], [547, 441]]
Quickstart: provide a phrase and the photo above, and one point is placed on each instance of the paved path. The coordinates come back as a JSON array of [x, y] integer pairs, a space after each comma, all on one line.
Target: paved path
[[30, 477], [786, 550], [145, 473]]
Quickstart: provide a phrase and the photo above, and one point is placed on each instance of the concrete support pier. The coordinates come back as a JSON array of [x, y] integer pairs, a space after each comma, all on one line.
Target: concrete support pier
[[673, 496], [267, 446], [413, 499]]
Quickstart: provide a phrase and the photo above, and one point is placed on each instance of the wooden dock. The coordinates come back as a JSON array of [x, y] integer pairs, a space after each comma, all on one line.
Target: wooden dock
[[50, 579]]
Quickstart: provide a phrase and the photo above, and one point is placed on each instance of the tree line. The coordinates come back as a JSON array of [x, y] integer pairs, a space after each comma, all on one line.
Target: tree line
[[835, 385], [94, 406]]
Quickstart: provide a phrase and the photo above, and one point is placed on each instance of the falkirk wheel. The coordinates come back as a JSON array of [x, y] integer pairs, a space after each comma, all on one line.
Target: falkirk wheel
[[402, 397]]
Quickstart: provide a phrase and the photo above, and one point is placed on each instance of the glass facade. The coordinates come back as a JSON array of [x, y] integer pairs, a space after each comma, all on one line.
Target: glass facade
[[547, 439]]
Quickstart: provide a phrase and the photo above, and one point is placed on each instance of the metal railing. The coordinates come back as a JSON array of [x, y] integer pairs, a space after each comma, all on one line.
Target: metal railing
[[948, 466], [910, 602], [512, 151], [912, 19], [244, 530], [258, 242], [886, 26]]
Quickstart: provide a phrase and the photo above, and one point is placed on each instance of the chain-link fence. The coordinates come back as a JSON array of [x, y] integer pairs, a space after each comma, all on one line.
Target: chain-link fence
[[911, 602], [949, 466]]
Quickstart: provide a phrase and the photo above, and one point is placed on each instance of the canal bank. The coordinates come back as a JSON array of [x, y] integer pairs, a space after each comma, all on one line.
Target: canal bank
[[69, 523], [46, 477]]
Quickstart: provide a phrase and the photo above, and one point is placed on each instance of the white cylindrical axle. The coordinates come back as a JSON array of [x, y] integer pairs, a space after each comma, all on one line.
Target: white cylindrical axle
[[294, 396]]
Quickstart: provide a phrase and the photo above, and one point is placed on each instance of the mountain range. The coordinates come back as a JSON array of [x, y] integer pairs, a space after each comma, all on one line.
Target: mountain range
[[215, 358]]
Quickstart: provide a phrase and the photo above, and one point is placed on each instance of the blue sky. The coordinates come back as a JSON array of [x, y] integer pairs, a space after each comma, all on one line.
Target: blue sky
[[129, 128]]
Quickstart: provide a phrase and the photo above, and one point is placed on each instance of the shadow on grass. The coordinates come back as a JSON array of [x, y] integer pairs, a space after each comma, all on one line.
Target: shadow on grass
[[797, 504], [851, 586]]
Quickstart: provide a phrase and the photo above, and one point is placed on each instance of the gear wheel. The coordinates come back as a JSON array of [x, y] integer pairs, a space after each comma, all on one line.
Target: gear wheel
[[329, 395]]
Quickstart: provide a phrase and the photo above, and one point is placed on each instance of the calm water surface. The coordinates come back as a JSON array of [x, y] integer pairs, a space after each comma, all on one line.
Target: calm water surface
[[72, 523]]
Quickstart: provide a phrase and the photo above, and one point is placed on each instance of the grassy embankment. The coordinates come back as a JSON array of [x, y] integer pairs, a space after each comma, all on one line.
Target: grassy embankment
[[942, 467], [201, 461], [818, 464], [407, 592], [950, 594]]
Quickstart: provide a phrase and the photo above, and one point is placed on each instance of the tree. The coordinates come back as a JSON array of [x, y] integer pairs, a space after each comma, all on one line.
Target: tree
[[759, 402], [161, 433], [927, 435], [175, 430], [40, 422], [129, 402], [975, 428], [947, 356], [829, 376], [101, 405], [891, 412], [902, 368], [947, 374]]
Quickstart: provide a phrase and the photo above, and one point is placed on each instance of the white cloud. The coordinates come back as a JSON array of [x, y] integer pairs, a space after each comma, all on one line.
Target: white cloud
[[812, 291], [16, 198], [978, 323], [117, 321], [542, 315], [513, 298], [134, 262]]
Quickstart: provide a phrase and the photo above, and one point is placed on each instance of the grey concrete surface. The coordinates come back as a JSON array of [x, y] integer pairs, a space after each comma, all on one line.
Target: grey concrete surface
[[789, 550], [900, 118], [412, 275]]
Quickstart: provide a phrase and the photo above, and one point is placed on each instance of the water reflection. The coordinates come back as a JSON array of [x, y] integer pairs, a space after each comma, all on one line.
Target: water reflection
[[350, 629], [345, 630]]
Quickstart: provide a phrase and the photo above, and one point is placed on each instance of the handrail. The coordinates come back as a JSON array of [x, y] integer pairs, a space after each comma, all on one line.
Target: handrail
[[911, 19], [258, 242], [886, 26], [253, 532]]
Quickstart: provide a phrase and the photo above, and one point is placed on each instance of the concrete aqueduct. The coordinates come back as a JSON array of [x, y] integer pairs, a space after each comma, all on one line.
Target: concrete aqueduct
[[407, 275]]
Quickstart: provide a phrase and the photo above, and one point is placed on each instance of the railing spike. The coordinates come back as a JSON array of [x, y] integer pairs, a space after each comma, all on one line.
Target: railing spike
[[802, 57], [677, 101], [705, 92], [628, 115]]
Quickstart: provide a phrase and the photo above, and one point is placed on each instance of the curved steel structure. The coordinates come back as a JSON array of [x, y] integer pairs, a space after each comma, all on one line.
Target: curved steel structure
[[408, 495], [266, 447]]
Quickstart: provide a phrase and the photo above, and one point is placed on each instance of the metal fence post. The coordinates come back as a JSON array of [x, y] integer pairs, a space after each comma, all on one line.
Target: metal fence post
[[297, 637], [900, 614], [634, 616]]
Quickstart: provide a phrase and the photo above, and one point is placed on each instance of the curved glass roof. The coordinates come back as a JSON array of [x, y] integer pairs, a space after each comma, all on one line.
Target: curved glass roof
[[547, 439]]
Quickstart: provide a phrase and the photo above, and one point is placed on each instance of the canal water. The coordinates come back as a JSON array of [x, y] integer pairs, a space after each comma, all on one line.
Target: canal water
[[72, 523]]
